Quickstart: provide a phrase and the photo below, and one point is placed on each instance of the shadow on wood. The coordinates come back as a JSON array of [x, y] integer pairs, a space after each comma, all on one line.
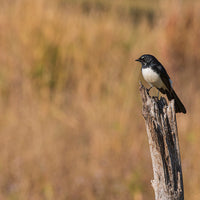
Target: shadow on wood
[[160, 121]]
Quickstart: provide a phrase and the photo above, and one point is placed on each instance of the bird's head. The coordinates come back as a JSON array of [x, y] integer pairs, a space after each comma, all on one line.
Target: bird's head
[[147, 59]]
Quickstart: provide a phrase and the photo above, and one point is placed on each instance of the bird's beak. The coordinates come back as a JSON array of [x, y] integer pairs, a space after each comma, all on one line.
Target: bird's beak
[[138, 60]]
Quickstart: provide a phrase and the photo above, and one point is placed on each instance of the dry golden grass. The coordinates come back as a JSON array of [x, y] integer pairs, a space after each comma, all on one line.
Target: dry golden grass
[[71, 124]]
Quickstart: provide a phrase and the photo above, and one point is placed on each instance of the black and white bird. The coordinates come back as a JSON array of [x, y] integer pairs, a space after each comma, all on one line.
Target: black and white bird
[[156, 76]]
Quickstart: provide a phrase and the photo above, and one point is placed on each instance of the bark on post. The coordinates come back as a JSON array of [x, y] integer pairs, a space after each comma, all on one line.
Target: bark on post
[[160, 121]]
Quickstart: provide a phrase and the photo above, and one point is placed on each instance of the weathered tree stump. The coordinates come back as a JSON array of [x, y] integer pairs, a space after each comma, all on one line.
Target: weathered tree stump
[[160, 121]]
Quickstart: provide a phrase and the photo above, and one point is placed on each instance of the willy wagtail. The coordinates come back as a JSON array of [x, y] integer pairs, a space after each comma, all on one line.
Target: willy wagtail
[[155, 74]]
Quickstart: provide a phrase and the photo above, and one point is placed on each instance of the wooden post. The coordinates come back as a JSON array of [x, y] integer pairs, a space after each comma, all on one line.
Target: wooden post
[[160, 121]]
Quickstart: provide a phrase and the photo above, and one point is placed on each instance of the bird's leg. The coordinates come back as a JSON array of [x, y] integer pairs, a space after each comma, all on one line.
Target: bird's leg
[[148, 90]]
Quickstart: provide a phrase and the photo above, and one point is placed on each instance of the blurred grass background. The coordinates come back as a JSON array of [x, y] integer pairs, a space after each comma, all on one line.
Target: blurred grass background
[[71, 124]]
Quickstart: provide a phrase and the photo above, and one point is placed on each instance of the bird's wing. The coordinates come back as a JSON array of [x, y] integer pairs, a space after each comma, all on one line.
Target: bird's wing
[[165, 77]]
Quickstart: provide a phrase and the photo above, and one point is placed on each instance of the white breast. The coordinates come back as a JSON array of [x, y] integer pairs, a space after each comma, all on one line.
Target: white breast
[[152, 78]]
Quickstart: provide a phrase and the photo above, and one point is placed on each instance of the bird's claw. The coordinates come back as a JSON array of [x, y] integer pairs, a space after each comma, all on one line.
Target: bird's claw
[[148, 90]]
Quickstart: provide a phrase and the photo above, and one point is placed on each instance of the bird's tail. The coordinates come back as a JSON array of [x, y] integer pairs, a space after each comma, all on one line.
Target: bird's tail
[[179, 107]]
